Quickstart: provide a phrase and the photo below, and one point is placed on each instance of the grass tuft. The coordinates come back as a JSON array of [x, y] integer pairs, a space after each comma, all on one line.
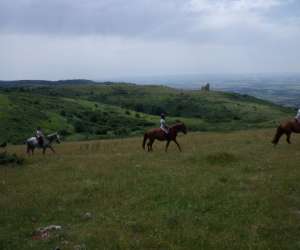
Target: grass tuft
[[223, 158]]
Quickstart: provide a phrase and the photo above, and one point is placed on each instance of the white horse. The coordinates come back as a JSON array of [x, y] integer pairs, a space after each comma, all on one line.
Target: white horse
[[33, 143]]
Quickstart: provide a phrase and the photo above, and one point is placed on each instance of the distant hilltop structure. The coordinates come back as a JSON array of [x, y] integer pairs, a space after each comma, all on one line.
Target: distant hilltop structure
[[206, 87]]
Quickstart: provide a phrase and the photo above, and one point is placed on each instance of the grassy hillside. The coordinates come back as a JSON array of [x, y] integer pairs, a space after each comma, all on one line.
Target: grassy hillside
[[92, 111], [225, 191], [211, 106], [77, 119]]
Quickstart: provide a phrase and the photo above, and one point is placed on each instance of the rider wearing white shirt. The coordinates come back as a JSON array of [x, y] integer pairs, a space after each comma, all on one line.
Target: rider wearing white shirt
[[297, 117], [39, 136], [163, 125]]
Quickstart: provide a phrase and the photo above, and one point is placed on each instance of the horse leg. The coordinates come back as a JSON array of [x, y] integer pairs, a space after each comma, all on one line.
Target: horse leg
[[44, 151], [29, 149], [279, 132], [52, 149], [177, 145], [150, 143], [288, 137], [167, 145]]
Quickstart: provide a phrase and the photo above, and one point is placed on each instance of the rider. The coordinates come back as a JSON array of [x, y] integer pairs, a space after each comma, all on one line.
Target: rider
[[297, 117], [163, 125], [39, 136]]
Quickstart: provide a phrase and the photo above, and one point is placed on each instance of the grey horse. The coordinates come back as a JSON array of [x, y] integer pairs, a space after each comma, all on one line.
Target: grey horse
[[33, 143]]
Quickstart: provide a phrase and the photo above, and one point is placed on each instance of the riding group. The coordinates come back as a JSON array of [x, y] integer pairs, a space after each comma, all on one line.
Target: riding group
[[163, 133], [169, 133]]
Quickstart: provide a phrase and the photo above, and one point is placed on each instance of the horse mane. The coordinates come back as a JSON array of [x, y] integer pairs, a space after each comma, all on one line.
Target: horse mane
[[177, 124], [53, 134]]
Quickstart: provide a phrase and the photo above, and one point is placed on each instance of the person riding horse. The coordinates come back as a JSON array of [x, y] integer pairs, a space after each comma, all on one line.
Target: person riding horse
[[40, 136], [297, 117], [163, 125], [288, 127], [36, 142], [164, 133]]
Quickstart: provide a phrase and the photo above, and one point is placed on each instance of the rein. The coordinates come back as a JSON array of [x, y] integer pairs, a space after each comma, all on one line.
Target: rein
[[51, 137], [177, 127]]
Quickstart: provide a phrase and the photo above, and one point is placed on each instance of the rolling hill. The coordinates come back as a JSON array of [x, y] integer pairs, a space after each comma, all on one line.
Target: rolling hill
[[81, 109]]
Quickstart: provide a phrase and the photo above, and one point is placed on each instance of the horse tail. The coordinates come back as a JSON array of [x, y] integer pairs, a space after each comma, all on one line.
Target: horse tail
[[145, 139], [279, 133]]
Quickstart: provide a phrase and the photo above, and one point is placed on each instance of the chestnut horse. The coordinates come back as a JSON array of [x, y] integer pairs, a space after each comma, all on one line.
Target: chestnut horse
[[160, 135], [287, 128]]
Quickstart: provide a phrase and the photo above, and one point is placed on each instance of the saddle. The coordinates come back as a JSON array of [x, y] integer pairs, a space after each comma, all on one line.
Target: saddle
[[166, 134], [40, 141]]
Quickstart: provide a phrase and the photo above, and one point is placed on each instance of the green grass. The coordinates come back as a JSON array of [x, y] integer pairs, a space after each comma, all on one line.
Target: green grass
[[225, 191]]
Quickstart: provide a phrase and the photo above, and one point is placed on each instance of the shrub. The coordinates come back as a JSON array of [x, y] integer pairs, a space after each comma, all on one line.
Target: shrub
[[79, 127], [64, 132], [101, 130], [94, 118], [63, 113], [6, 159]]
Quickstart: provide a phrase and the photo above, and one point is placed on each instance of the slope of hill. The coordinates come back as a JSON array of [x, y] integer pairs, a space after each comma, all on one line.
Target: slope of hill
[[225, 191], [21, 113], [90, 111]]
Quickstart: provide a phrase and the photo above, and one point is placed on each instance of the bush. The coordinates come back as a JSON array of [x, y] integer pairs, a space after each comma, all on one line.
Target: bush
[[64, 132], [94, 118], [79, 127], [63, 113], [102, 130], [6, 159]]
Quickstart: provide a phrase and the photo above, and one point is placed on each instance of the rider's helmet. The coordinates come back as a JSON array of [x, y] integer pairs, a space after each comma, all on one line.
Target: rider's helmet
[[162, 115]]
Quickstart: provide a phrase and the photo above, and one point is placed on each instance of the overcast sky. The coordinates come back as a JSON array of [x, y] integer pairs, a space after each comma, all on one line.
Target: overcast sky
[[104, 39]]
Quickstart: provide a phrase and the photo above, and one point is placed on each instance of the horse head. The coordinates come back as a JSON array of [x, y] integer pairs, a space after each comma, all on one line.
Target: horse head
[[54, 137], [180, 127], [58, 139], [184, 129]]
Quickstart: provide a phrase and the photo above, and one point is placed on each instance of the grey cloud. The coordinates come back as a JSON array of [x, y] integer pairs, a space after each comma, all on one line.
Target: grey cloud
[[113, 17], [145, 19], [93, 38]]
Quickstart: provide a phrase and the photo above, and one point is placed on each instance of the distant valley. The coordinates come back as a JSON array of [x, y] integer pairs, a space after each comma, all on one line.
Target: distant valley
[[283, 89]]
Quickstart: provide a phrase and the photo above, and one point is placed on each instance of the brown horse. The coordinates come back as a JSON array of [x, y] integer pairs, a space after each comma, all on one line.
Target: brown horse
[[160, 135], [287, 128]]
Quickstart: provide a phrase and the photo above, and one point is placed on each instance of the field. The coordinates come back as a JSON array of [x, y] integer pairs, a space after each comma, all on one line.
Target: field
[[224, 191]]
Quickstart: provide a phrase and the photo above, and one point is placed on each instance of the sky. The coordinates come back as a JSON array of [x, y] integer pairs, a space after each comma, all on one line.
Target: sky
[[107, 39]]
